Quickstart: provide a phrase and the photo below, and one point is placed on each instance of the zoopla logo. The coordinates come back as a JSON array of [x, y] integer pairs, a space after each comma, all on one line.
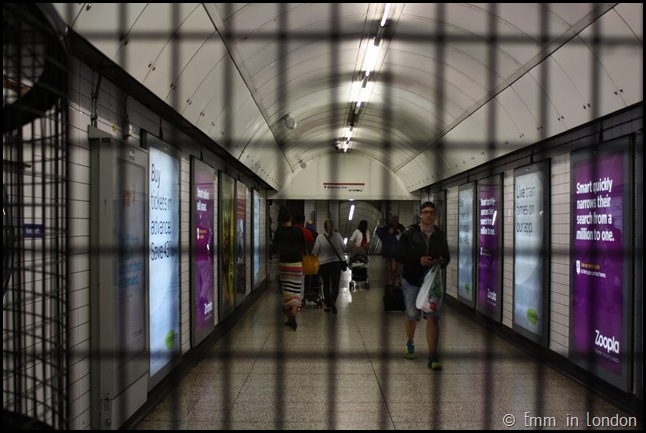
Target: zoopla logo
[[610, 344]]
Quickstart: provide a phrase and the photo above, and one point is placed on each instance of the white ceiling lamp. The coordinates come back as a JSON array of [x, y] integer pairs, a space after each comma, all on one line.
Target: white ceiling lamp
[[385, 16], [290, 122], [362, 87], [348, 137], [349, 132], [364, 95], [374, 47], [372, 54], [346, 144]]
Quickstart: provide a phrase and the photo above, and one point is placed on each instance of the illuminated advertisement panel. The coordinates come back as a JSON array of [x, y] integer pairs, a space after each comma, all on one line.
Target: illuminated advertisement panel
[[490, 247], [599, 315], [466, 270], [227, 186], [203, 199], [164, 270], [256, 239], [531, 222], [240, 250]]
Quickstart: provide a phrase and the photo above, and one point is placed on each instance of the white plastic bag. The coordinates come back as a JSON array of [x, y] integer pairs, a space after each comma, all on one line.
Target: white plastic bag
[[430, 294]]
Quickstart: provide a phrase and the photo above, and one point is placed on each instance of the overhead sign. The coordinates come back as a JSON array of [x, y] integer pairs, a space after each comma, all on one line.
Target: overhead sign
[[345, 186]]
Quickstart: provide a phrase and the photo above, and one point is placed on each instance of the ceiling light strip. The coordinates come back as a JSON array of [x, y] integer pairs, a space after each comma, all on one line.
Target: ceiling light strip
[[359, 95], [385, 16], [372, 54]]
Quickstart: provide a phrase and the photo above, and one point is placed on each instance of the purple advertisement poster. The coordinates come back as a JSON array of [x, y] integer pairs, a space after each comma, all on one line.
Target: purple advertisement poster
[[204, 248], [598, 298], [490, 246]]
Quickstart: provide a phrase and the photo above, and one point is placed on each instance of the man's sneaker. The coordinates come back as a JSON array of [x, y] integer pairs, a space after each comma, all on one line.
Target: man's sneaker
[[434, 364], [409, 352]]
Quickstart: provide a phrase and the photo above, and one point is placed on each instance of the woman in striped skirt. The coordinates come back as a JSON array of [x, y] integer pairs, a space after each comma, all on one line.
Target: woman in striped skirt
[[289, 244]]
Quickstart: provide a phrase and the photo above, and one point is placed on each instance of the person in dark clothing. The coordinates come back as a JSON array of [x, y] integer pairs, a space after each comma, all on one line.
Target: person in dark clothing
[[399, 227], [420, 247], [394, 267], [299, 221], [309, 225], [389, 237], [289, 244]]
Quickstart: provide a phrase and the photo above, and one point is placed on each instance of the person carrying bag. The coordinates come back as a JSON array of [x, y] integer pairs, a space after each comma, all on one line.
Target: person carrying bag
[[326, 247], [421, 248], [344, 264], [431, 293], [310, 264]]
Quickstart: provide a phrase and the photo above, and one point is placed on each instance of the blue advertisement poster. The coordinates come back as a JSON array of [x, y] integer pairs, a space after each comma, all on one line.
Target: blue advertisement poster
[[466, 269], [598, 327], [490, 247], [530, 222], [203, 248], [163, 277]]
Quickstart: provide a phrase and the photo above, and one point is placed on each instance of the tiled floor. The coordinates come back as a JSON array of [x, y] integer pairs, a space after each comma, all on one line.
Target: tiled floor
[[348, 372]]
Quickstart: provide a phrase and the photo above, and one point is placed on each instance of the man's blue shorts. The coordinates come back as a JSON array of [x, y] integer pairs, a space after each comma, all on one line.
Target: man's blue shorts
[[410, 296]]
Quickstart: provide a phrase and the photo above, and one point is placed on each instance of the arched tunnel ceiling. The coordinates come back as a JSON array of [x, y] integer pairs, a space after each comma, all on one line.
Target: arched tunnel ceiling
[[464, 75]]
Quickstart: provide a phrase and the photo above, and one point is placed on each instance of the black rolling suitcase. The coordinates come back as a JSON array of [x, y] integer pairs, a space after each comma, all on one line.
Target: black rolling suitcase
[[393, 298]]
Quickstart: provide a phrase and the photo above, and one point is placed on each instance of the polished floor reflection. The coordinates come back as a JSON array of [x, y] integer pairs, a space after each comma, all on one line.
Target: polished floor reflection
[[347, 371]]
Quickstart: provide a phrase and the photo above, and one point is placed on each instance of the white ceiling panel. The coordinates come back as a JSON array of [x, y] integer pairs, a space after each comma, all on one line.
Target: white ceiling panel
[[465, 75], [191, 36], [197, 80], [103, 24], [583, 68], [523, 119], [150, 32]]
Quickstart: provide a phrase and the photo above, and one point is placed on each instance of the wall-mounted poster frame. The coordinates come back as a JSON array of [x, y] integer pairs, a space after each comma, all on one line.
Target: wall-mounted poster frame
[[466, 244], [255, 224], [119, 266], [638, 263], [249, 241], [439, 199], [203, 244], [490, 257], [601, 268], [227, 251], [164, 257], [240, 243], [531, 251]]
